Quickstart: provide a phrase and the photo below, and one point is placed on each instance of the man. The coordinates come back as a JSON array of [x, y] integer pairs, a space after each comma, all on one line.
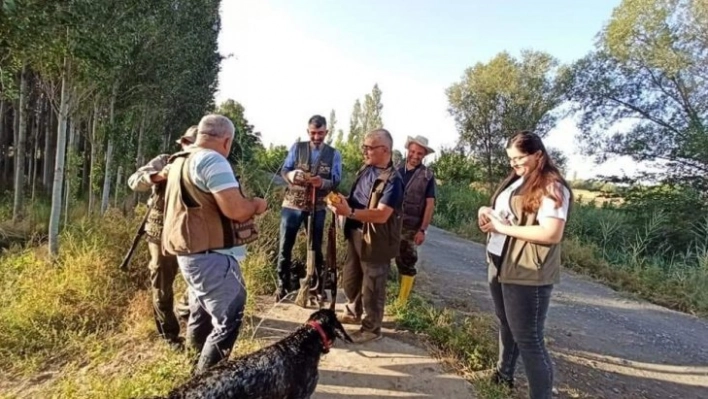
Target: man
[[207, 223], [308, 166], [373, 232], [163, 268], [418, 207]]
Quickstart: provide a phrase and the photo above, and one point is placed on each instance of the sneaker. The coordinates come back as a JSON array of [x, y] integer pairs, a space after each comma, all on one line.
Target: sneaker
[[362, 337]]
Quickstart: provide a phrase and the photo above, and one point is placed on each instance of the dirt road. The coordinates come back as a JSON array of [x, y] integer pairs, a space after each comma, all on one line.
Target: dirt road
[[388, 368], [604, 344]]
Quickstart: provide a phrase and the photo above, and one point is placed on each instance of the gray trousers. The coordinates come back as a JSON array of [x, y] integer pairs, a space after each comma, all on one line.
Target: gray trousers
[[364, 285], [217, 298]]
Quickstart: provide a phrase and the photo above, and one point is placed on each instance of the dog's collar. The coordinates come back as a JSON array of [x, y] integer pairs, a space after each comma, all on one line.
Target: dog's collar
[[326, 343]]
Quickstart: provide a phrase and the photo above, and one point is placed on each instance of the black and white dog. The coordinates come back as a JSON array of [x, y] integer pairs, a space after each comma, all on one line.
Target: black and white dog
[[286, 369]]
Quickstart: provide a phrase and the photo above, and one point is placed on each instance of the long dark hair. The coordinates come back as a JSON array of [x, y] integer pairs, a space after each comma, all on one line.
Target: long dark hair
[[540, 182]]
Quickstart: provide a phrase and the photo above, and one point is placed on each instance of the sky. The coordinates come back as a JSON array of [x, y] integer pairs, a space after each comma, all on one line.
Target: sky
[[291, 59]]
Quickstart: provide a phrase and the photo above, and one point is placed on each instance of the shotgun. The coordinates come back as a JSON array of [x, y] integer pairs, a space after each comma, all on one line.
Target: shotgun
[[332, 260], [136, 240], [303, 295]]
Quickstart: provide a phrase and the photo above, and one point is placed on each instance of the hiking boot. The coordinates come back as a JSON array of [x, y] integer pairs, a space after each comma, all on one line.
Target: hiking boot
[[362, 337]]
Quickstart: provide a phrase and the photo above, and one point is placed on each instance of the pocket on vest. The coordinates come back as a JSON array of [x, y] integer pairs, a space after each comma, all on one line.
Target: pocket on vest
[[526, 266], [188, 233]]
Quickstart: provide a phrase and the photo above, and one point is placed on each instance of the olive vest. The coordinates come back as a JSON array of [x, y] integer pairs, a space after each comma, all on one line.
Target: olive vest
[[155, 219], [414, 198], [381, 242], [193, 222], [523, 262], [298, 197]]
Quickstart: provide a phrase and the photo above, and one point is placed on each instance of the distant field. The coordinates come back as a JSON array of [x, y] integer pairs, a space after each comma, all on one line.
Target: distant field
[[586, 196]]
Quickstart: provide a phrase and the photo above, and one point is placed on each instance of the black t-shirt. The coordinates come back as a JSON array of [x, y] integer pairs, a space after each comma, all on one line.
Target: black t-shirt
[[430, 189]]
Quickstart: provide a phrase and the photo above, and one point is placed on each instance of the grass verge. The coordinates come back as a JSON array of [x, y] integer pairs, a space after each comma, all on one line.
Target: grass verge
[[463, 342]]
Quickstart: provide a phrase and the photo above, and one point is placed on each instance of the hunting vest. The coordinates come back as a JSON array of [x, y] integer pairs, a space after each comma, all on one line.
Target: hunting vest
[[381, 242], [299, 197], [193, 221], [155, 219], [414, 198], [523, 262]]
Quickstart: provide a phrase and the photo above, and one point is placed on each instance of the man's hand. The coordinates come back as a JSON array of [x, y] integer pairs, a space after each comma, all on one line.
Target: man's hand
[[261, 205], [419, 238], [316, 181], [160, 176], [341, 207]]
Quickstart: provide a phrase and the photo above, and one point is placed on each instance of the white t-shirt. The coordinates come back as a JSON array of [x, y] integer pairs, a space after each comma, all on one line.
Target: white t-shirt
[[211, 172], [547, 209]]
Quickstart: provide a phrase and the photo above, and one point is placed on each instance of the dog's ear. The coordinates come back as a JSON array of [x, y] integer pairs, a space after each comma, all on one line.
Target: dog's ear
[[340, 332]]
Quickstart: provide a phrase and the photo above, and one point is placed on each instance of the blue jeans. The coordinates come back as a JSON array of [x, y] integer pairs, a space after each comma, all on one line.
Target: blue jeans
[[522, 310], [217, 298], [290, 222]]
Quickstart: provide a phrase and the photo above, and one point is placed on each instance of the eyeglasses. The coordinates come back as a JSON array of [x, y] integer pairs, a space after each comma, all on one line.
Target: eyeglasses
[[369, 148], [516, 160]]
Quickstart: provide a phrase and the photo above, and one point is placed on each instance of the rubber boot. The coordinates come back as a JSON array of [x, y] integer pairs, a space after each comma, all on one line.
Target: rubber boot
[[406, 286]]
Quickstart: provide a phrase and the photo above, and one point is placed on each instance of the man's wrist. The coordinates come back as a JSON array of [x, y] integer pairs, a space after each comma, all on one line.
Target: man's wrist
[[351, 214]]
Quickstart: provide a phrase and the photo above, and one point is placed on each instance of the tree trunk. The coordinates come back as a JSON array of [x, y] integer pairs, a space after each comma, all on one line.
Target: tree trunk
[[94, 158], [49, 149], [69, 172], [119, 177], [36, 129], [109, 153], [59, 168], [20, 148], [3, 153], [140, 158]]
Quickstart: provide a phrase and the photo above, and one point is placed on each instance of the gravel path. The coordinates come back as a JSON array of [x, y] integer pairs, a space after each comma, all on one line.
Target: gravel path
[[604, 344]]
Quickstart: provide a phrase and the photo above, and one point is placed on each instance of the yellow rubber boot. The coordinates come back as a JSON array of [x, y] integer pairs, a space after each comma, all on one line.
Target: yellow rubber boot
[[406, 286]]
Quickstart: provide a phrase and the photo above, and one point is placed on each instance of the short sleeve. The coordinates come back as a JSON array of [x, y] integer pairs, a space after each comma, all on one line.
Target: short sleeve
[[430, 189], [548, 205], [211, 172], [393, 193]]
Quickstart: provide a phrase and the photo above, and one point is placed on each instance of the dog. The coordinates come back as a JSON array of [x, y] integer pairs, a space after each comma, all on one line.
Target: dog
[[285, 369]]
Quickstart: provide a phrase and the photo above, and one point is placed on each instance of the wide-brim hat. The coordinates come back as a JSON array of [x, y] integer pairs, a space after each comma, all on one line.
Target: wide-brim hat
[[421, 141], [190, 135]]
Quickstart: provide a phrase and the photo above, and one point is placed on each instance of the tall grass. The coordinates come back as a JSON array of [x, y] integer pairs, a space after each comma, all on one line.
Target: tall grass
[[84, 326]]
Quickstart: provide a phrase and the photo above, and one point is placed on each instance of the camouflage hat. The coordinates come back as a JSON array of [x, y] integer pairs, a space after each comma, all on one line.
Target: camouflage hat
[[189, 136]]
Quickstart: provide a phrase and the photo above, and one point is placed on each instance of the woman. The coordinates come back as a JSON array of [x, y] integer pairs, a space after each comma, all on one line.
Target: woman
[[525, 227]]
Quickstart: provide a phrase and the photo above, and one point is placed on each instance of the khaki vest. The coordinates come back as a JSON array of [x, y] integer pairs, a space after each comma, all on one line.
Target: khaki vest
[[414, 198], [381, 242], [526, 263], [299, 197], [193, 221]]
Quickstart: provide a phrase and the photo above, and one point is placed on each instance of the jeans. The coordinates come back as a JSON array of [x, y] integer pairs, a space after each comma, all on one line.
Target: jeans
[[217, 298], [290, 222], [522, 311]]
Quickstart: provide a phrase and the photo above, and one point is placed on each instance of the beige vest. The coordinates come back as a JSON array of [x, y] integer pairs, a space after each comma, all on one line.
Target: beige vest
[[193, 222]]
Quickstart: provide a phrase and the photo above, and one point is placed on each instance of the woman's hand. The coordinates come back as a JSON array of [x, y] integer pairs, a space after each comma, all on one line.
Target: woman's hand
[[483, 219]]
